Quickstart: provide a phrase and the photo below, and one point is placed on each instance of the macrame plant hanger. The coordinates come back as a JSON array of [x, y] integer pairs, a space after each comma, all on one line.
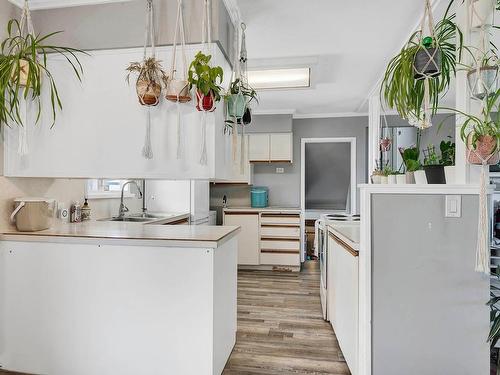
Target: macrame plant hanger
[[424, 121], [243, 75], [25, 23], [482, 245], [147, 150], [233, 118], [179, 29], [206, 33]]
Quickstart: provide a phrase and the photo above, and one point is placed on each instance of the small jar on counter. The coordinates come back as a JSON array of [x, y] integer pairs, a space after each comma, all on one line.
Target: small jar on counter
[[75, 214]]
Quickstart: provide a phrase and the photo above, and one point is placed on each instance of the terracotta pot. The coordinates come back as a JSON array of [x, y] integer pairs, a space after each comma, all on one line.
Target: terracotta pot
[[24, 69], [148, 92], [205, 102], [485, 150], [178, 90]]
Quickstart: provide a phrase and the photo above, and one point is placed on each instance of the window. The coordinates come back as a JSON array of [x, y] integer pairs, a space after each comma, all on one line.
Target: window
[[101, 188]]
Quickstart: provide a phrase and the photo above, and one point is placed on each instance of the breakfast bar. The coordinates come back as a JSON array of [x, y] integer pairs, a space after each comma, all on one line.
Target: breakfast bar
[[118, 298]]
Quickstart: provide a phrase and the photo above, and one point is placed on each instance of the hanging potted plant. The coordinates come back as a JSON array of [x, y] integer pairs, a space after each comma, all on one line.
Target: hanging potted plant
[[24, 69], [238, 100], [207, 81], [481, 12], [178, 88], [422, 71], [482, 76], [150, 74]]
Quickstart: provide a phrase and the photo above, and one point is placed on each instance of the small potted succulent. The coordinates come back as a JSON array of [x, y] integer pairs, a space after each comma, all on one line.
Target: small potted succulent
[[377, 176], [434, 169], [386, 172], [207, 81], [150, 76]]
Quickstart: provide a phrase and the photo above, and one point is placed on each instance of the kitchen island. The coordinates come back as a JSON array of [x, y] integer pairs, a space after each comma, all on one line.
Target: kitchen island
[[118, 298]]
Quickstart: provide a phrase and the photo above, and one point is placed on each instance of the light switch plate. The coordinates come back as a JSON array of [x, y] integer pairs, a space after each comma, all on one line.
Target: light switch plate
[[453, 206], [280, 170]]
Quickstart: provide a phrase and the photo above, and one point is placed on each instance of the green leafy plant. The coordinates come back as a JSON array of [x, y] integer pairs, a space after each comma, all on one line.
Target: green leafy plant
[[387, 171], [431, 156], [447, 149], [20, 54], [410, 157], [238, 86], [399, 87], [207, 79], [494, 334]]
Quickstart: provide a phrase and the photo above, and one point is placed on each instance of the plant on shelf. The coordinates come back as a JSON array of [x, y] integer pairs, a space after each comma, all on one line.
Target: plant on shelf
[[447, 149], [24, 70], [403, 87], [150, 75], [434, 169], [207, 81]]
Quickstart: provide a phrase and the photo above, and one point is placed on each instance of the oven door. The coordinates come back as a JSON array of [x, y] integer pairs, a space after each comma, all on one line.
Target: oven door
[[322, 254]]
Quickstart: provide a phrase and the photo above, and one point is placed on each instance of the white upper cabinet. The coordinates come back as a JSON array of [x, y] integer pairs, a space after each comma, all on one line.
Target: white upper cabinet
[[281, 147], [274, 147], [101, 130], [258, 149]]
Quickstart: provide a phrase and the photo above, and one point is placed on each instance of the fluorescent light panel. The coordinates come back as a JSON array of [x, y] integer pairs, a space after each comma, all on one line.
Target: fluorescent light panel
[[280, 78]]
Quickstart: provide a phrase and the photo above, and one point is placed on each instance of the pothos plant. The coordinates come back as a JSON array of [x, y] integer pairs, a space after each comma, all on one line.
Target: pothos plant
[[400, 88], [24, 70], [206, 79]]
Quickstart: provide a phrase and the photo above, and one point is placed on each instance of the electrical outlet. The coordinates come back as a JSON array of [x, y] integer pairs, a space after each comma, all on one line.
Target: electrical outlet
[[280, 170]]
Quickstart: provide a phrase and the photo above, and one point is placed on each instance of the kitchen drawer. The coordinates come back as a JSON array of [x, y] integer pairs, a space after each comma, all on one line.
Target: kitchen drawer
[[280, 231], [280, 259], [267, 243], [280, 219]]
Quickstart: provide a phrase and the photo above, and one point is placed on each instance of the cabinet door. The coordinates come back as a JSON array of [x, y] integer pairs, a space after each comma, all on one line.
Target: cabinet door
[[258, 148], [248, 238], [281, 147]]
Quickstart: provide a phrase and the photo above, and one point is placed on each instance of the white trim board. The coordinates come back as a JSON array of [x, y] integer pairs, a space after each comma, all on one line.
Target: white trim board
[[52, 4]]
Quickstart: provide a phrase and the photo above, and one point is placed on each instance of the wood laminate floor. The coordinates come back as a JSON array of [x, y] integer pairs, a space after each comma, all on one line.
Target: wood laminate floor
[[280, 327]]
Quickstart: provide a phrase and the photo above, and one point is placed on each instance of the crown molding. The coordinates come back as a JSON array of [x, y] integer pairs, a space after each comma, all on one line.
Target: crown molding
[[52, 4]]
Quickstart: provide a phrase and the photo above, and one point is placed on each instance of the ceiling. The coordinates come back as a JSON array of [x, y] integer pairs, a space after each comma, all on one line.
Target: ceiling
[[346, 43]]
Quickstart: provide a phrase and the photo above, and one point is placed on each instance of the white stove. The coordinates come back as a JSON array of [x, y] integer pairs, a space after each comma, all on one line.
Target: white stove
[[322, 236]]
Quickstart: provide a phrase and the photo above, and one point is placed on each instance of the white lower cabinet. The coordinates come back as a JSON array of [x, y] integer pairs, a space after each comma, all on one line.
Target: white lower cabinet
[[343, 298], [248, 239]]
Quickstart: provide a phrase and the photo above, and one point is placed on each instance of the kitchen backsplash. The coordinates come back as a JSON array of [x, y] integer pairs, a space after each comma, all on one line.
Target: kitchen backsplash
[[237, 196]]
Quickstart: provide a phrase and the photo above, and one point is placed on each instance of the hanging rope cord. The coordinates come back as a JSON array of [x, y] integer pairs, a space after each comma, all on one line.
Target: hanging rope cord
[[206, 35], [426, 121], [147, 150], [26, 23]]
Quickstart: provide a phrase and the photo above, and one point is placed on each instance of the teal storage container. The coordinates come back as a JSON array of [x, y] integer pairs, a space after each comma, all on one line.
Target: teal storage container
[[258, 196]]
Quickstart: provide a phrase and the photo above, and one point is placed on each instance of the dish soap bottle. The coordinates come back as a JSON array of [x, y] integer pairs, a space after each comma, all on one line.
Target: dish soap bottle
[[85, 211]]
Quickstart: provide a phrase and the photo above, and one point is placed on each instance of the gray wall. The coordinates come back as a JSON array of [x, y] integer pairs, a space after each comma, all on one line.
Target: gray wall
[[284, 189], [270, 124], [121, 25], [428, 304]]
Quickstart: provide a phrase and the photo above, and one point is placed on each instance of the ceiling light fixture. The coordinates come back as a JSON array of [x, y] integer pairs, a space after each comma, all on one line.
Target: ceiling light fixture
[[280, 78]]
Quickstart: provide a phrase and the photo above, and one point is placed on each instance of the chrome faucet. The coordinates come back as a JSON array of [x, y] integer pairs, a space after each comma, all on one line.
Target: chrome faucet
[[123, 208]]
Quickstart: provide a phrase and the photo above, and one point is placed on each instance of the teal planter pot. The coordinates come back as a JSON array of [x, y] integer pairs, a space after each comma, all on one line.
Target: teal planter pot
[[236, 105]]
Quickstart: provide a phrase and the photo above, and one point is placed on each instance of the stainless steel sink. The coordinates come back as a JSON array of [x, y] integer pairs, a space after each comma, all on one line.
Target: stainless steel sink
[[131, 219], [145, 216]]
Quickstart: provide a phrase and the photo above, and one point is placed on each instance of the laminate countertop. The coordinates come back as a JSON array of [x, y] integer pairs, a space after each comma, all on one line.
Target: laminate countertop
[[284, 210], [129, 233], [348, 232]]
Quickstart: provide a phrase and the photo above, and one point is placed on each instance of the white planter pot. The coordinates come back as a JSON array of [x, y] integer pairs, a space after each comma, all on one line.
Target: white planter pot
[[376, 179], [420, 178], [410, 177], [449, 173], [401, 179], [384, 180], [391, 179], [481, 12]]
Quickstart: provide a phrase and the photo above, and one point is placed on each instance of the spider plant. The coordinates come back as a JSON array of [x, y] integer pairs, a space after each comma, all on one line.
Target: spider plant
[[149, 70], [238, 86], [399, 87], [28, 55]]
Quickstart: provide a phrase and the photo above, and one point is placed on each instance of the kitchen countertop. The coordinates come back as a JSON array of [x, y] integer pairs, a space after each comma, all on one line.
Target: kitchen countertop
[[292, 210], [348, 232], [153, 235]]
